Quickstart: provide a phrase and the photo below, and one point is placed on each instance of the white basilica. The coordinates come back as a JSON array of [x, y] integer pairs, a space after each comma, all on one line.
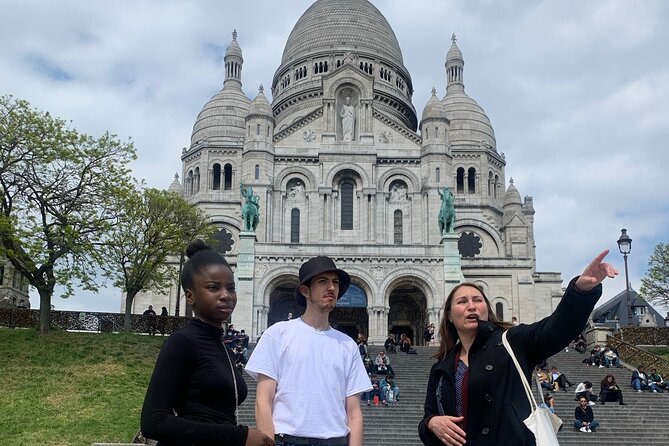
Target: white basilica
[[343, 166]]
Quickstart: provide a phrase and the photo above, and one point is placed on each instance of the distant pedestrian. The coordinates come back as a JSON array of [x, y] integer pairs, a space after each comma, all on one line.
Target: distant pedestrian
[[151, 320]]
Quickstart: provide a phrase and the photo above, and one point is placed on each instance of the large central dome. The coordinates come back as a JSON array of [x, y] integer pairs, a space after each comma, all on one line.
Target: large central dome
[[342, 24]]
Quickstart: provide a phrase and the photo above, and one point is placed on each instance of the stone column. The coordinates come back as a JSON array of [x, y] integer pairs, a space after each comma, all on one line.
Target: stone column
[[452, 265], [244, 312]]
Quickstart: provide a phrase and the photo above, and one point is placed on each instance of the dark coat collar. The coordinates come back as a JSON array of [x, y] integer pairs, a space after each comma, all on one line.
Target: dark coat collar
[[483, 334]]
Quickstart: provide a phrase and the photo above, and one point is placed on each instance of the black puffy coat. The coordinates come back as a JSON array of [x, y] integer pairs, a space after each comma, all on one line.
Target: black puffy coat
[[497, 403]]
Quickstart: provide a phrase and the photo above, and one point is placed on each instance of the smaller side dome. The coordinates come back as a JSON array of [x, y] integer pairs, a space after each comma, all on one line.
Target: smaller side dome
[[434, 109], [260, 105], [512, 196], [176, 187]]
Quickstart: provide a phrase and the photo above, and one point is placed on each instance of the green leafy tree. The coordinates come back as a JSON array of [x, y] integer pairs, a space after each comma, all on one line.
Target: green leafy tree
[[152, 225], [655, 286], [58, 191]]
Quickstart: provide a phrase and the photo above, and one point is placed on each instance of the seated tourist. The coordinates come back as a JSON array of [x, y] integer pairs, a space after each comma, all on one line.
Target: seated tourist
[[641, 382], [596, 357], [610, 391], [585, 389], [387, 385], [549, 402], [389, 345], [580, 344], [559, 380], [240, 354], [382, 363], [405, 343], [544, 380], [584, 418], [611, 358], [369, 364], [660, 384], [374, 394]]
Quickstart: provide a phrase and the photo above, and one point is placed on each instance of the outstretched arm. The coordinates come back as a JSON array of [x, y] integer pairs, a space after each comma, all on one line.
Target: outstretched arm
[[595, 273]]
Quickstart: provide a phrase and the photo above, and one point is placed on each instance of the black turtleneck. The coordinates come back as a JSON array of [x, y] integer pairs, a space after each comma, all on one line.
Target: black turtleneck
[[193, 378]]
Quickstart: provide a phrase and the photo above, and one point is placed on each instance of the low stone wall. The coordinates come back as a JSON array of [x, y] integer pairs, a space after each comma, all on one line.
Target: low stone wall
[[91, 321]]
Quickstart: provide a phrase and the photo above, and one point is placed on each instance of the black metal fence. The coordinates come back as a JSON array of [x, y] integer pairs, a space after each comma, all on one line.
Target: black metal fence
[[92, 321]]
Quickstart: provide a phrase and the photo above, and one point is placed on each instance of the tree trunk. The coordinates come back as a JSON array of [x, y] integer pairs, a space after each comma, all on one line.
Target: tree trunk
[[127, 320], [44, 310]]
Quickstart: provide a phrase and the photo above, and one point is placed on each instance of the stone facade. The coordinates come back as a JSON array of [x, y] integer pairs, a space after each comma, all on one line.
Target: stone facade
[[343, 167], [13, 287]]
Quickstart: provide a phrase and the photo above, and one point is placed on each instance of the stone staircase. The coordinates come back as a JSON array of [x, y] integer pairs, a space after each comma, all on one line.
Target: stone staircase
[[643, 421]]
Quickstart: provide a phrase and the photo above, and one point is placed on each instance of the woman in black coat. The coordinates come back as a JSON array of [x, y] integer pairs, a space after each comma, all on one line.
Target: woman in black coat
[[474, 394]]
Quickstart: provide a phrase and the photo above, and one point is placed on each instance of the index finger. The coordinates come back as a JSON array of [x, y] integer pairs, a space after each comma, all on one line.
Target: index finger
[[597, 260]]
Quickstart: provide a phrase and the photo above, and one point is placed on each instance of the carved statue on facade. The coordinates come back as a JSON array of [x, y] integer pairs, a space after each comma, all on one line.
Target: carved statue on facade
[[447, 212], [347, 114], [250, 208]]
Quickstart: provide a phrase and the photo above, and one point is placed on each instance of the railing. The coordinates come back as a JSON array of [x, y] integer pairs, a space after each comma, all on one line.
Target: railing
[[635, 356], [92, 321]]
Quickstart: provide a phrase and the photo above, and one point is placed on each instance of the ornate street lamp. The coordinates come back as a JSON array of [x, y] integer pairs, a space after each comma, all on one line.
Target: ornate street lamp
[[625, 246]]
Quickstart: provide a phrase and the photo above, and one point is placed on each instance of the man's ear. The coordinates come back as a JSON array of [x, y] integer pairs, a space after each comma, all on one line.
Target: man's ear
[[304, 290]]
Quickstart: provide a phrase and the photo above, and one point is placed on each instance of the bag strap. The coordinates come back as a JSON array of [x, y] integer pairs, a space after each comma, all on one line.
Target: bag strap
[[526, 386]]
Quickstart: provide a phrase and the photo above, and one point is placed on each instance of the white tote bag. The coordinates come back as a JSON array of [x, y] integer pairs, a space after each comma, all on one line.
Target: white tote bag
[[542, 422]]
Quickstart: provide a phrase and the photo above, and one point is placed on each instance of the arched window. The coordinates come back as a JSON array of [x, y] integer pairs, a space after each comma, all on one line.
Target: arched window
[[495, 185], [189, 183], [257, 129], [437, 175], [216, 180], [499, 311], [346, 194], [460, 180], [471, 180], [436, 132], [397, 227], [295, 226], [257, 173], [491, 184], [227, 170], [196, 180]]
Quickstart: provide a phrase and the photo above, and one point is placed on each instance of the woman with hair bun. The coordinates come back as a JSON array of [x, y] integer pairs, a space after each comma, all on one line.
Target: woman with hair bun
[[195, 388]]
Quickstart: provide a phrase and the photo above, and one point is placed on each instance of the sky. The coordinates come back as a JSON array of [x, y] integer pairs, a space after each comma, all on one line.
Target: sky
[[576, 91]]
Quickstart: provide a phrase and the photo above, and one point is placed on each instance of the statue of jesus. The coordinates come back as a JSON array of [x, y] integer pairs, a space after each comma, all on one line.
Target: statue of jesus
[[347, 114]]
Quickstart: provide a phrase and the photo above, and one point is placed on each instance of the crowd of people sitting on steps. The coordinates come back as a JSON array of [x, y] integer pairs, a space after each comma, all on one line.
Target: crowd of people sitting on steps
[[586, 393], [385, 390]]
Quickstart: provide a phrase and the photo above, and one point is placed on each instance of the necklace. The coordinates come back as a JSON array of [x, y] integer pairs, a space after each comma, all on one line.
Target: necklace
[[234, 380]]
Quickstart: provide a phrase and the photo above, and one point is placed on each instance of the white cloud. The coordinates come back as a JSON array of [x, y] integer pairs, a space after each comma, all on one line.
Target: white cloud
[[576, 92]]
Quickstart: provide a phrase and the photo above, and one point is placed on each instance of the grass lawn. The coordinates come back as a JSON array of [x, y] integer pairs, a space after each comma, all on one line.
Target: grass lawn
[[72, 388]]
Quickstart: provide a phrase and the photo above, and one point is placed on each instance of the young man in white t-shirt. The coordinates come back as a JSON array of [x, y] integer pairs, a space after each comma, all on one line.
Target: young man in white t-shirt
[[310, 375]]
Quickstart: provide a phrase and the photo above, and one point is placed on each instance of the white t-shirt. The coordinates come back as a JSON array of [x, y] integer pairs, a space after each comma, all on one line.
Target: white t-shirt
[[315, 371]]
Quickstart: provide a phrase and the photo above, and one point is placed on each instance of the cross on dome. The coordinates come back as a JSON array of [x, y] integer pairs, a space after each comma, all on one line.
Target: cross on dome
[[453, 38], [234, 34]]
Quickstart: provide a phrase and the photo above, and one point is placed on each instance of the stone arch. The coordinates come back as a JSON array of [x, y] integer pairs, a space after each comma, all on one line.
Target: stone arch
[[282, 178], [278, 295], [484, 227], [409, 177], [337, 171], [422, 279], [352, 81], [407, 302], [507, 310]]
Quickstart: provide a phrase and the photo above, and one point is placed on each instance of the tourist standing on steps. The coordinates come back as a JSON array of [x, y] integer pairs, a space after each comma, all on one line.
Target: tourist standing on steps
[[195, 388], [474, 394], [310, 376]]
